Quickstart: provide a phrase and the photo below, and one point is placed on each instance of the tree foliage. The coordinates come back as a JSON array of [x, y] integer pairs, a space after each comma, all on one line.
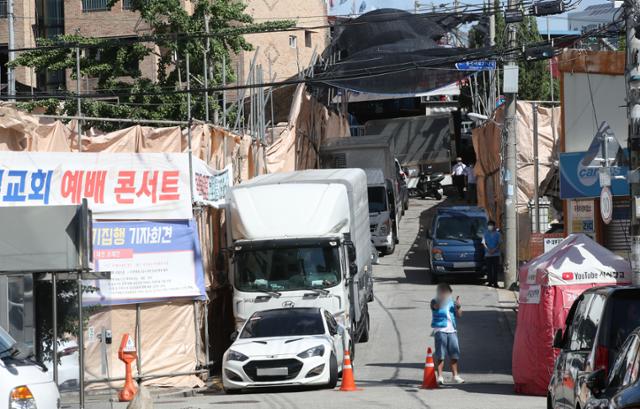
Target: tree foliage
[[534, 80], [122, 91]]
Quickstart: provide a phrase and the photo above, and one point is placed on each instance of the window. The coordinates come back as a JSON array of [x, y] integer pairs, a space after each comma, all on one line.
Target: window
[[3, 8], [586, 332], [307, 39], [621, 372], [574, 331], [377, 199], [293, 41], [94, 5], [126, 5]]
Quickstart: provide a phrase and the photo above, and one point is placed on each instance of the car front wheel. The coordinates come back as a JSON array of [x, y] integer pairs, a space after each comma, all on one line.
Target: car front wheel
[[333, 372]]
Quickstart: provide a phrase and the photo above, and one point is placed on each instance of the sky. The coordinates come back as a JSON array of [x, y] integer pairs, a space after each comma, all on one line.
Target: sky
[[344, 7]]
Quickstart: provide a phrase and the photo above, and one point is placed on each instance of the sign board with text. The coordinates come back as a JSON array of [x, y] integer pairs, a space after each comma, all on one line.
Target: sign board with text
[[148, 261], [116, 185]]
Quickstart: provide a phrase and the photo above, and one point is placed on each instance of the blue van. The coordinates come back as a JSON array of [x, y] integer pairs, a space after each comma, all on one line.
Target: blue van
[[454, 241]]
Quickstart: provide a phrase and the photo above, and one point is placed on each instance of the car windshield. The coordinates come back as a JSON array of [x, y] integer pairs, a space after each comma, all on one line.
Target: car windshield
[[288, 269], [6, 343], [377, 199], [284, 323], [460, 227]]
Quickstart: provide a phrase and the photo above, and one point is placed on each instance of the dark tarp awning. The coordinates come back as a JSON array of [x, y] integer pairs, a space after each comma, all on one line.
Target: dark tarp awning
[[393, 51]]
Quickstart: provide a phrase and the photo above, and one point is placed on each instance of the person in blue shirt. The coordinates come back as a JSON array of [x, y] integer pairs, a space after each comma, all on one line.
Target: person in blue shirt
[[444, 312], [491, 241]]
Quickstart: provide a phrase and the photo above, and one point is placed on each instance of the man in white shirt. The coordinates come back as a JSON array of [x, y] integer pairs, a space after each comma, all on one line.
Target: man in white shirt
[[470, 173], [458, 174]]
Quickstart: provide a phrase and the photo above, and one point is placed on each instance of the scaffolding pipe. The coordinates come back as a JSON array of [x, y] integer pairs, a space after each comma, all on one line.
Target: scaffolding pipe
[[190, 151], [138, 341], [145, 377], [54, 309], [132, 121]]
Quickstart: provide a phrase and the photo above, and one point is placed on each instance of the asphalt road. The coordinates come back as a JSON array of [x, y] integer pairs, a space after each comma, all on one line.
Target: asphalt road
[[388, 368]]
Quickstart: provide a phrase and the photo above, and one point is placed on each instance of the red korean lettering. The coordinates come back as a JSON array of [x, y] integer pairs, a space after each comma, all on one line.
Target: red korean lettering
[[125, 186], [94, 185], [149, 186], [72, 185], [169, 188]]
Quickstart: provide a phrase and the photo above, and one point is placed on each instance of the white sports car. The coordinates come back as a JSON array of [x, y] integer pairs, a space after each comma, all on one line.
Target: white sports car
[[291, 346]]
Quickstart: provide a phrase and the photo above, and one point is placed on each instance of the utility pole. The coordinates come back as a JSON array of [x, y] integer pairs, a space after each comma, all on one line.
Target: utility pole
[[205, 63], [509, 175], [79, 99], [632, 79], [11, 73]]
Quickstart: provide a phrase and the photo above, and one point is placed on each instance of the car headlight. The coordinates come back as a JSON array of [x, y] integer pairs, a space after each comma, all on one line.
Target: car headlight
[[236, 356], [311, 352], [21, 398], [437, 254]]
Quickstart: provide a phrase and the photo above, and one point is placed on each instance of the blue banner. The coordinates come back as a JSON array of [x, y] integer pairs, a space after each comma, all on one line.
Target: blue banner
[[480, 65], [148, 261], [578, 180]]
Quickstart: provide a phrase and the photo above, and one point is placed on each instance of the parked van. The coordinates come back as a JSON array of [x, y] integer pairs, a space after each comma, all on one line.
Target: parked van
[[598, 323], [454, 241]]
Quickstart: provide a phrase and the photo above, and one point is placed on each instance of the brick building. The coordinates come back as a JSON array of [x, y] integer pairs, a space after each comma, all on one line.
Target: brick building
[[285, 52]]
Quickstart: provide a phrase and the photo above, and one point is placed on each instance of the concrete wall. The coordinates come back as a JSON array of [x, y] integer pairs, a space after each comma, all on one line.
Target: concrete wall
[[274, 49]]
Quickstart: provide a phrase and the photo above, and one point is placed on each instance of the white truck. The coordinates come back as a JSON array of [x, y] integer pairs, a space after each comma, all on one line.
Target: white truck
[[301, 239], [368, 152], [380, 217]]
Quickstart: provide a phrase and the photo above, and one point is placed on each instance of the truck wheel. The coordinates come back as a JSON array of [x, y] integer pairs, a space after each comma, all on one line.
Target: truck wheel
[[389, 250], [437, 195], [406, 205], [364, 336], [333, 372]]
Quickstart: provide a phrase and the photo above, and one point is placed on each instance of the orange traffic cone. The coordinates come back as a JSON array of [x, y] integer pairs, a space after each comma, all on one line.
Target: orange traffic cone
[[429, 377], [348, 382]]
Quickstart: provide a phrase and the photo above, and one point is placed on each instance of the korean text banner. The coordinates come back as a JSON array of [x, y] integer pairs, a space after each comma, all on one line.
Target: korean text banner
[[148, 261], [116, 185], [579, 180]]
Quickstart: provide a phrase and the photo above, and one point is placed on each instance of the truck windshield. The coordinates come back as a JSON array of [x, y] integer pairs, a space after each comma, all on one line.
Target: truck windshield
[[287, 269], [377, 199], [456, 227]]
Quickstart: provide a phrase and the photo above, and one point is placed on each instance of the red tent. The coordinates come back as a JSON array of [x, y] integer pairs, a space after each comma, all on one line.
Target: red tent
[[548, 286]]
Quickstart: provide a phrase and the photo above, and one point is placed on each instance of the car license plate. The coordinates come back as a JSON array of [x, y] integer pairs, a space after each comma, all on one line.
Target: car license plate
[[272, 371], [464, 264]]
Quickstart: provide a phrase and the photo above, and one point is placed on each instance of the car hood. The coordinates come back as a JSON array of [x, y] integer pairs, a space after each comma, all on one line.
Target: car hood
[[278, 346], [20, 372]]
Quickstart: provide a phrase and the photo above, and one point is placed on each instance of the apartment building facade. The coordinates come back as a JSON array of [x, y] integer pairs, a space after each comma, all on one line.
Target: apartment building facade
[[282, 53]]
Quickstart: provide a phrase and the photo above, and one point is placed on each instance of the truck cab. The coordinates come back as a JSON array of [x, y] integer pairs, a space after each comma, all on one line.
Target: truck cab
[[454, 241], [301, 239], [380, 212]]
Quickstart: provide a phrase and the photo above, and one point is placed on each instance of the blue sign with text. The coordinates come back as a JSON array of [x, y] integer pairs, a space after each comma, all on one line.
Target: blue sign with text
[[480, 65], [578, 180]]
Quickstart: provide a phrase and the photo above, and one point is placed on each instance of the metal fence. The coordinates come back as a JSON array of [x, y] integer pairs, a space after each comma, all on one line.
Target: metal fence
[[3, 8]]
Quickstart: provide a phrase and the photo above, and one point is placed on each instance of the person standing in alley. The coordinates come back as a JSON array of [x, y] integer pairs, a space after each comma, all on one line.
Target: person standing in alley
[[444, 312], [470, 173], [458, 174], [491, 242]]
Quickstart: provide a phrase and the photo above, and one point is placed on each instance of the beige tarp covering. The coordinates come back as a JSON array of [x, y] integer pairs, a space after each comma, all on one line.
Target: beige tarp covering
[[297, 143], [487, 143], [168, 344]]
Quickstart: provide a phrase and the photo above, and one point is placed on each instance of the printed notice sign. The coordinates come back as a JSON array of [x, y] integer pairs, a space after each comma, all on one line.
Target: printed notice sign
[[148, 261]]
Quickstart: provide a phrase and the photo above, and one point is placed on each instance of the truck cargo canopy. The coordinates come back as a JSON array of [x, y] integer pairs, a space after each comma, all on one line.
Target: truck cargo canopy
[[257, 216]]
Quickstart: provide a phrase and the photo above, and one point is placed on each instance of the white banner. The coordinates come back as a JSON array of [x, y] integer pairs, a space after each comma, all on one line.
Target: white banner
[[116, 185]]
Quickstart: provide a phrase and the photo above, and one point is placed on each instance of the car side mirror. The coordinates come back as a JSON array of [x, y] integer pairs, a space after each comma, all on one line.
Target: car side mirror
[[351, 251], [558, 339], [595, 381], [353, 269], [233, 336]]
